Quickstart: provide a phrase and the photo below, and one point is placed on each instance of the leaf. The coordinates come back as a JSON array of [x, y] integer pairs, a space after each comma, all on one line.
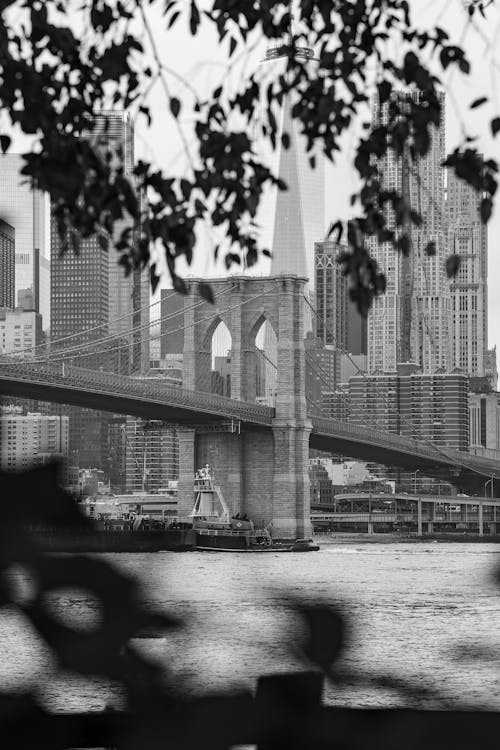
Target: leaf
[[195, 18], [173, 19], [205, 291], [326, 635], [154, 278], [285, 140], [430, 249], [452, 265], [486, 209], [232, 45], [175, 106], [478, 102], [384, 91], [5, 142], [335, 227], [404, 244], [495, 126]]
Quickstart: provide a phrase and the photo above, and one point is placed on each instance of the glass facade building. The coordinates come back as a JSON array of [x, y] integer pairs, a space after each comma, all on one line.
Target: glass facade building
[[27, 210], [7, 265], [468, 238], [411, 321]]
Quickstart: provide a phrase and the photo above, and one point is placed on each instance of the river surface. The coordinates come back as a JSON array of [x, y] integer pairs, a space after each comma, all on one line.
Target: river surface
[[428, 613]]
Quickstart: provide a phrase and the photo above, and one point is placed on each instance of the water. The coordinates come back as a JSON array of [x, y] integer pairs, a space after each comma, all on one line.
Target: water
[[424, 612]]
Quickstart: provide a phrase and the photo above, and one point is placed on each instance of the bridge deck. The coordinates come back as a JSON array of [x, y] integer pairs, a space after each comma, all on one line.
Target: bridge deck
[[156, 399]]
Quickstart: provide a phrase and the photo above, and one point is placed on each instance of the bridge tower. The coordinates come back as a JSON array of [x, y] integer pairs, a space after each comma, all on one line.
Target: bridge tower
[[262, 472]]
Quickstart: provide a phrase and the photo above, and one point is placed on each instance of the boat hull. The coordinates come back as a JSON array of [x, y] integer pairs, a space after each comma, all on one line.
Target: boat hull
[[242, 543], [96, 540]]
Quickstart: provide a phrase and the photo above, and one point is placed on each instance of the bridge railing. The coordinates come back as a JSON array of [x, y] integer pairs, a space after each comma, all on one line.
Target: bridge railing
[[156, 389], [330, 426]]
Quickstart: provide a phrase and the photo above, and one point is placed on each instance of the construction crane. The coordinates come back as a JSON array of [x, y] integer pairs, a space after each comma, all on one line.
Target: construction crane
[[143, 470]]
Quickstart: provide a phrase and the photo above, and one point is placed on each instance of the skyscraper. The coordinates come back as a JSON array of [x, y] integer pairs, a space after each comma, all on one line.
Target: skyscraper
[[292, 220], [298, 211], [7, 265], [128, 295], [91, 289], [27, 210], [412, 320], [79, 295], [468, 238]]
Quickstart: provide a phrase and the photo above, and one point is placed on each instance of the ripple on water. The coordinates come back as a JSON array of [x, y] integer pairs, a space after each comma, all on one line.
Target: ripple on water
[[408, 605]]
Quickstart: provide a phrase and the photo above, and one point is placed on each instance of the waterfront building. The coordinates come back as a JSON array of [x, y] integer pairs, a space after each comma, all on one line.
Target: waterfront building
[[151, 455], [20, 331], [484, 416], [29, 440], [426, 406], [468, 239], [27, 211], [7, 265], [411, 321], [114, 464], [321, 488]]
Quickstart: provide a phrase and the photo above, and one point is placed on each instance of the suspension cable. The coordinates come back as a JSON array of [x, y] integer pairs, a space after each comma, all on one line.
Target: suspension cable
[[58, 358]]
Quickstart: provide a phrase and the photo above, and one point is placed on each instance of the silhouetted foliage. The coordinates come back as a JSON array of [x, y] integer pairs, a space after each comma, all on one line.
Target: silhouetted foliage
[[53, 80]]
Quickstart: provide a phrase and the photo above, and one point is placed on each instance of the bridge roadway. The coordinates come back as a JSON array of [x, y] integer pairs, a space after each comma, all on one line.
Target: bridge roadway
[[154, 399]]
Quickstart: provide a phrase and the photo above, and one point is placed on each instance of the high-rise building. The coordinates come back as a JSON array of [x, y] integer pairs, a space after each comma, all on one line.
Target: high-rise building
[[490, 368], [298, 211], [128, 295], [80, 300], [322, 371], [291, 221], [468, 239], [27, 210], [411, 321], [20, 332], [331, 295], [425, 406], [338, 322], [90, 292], [152, 455], [172, 323], [484, 415], [7, 265], [28, 440]]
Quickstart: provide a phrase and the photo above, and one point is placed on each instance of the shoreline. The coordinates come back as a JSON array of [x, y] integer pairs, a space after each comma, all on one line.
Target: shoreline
[[360, 538]]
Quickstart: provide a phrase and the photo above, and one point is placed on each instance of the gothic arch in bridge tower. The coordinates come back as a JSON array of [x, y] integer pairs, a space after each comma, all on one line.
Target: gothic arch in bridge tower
[[262, 365], [263, 472], [214, 362]]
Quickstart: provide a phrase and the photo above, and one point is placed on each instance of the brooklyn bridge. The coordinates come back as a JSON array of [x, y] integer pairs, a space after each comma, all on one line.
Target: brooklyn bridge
[[259, 452]]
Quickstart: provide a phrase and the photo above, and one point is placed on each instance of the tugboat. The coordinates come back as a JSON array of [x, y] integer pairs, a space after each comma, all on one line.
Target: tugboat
[[217, 530]]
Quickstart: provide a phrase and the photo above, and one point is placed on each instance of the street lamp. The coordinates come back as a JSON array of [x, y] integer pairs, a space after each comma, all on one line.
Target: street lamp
[[491, 482]]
